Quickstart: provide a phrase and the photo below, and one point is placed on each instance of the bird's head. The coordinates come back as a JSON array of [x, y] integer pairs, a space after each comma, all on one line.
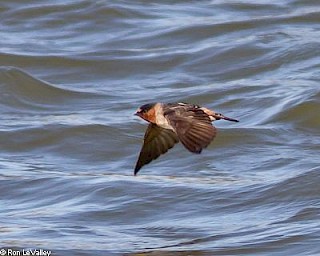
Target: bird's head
[[146, 111]]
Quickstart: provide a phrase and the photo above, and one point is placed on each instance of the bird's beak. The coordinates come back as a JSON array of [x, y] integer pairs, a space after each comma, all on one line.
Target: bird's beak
[[138, 112]]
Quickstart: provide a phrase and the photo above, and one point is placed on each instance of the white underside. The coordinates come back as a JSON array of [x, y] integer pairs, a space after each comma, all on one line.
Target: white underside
[[160, 119]]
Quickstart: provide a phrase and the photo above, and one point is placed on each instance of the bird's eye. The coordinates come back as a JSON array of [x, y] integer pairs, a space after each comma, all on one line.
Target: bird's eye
[[140, 111]]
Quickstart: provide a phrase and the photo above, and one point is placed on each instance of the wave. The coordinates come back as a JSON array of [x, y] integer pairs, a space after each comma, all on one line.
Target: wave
[[20, 90]]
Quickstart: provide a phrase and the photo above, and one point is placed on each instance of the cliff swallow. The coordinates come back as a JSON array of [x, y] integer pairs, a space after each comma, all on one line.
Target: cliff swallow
[[173, 122]]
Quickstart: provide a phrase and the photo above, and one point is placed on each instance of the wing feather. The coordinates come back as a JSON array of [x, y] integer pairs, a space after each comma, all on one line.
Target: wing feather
[[193, 128], [157, 141]]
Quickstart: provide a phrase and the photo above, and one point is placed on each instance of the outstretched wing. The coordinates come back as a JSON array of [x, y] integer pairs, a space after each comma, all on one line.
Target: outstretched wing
[[193, 127], [157, 141]]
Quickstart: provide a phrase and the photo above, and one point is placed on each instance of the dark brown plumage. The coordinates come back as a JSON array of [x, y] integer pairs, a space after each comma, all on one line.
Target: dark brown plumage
[[174, 122]]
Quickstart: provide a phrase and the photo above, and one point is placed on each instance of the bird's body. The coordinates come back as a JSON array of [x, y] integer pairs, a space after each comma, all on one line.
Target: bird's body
[[170, 123]]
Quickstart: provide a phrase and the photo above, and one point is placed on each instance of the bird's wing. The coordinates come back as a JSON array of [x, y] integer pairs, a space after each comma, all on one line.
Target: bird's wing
[[157, 141], [193, 127]]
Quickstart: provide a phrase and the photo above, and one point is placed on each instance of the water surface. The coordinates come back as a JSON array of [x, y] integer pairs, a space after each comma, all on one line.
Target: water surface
[[72, 73]]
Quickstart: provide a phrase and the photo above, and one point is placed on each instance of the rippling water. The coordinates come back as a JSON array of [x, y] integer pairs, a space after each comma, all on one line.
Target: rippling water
[[73, 73]]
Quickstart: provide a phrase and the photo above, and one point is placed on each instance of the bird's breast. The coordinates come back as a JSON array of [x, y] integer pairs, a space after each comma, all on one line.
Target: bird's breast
[[161, 120]]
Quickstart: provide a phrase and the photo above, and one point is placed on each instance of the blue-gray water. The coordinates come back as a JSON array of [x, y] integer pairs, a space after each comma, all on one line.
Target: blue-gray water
[[73, 73]]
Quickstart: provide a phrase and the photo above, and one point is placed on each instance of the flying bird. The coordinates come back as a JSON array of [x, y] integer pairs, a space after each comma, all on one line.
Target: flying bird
[[170, 123]]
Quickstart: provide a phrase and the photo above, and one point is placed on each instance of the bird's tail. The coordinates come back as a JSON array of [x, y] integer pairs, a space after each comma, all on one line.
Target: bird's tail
[[217, 116]]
